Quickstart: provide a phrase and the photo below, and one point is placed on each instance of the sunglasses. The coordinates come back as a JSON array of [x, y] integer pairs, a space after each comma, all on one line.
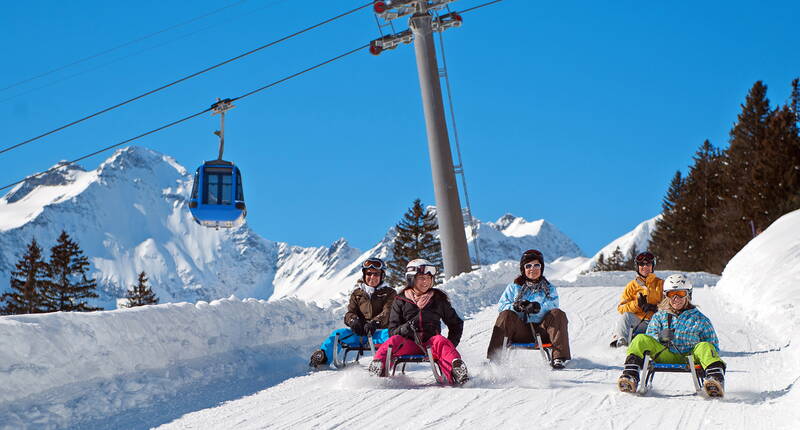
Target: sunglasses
[[372, 274], [644, 263], [373, 263], [678, 293], [533, 266]]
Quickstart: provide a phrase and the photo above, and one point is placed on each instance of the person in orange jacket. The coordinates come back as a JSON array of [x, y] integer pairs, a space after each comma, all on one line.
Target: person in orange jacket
[[639, 301]]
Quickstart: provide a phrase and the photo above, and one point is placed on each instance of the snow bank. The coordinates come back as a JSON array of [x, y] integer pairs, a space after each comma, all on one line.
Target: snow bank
[[763, 279], [53, 360], [620, 278]]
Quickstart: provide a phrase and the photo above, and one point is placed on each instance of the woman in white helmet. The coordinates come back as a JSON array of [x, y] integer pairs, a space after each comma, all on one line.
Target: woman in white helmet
[[677, 330], [415, 324]]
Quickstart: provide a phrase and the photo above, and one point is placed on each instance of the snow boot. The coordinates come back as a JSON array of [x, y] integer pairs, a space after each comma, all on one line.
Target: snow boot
[[459, 373], [714, 382], [616, 343], [376, 368], [628, 382], [318, 358], [557, 364]]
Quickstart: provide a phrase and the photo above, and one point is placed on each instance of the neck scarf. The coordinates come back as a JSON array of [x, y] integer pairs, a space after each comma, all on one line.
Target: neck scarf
[[421, 300]]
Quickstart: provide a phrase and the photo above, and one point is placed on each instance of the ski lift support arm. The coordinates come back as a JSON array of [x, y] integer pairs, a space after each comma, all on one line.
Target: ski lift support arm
[[399, 8]]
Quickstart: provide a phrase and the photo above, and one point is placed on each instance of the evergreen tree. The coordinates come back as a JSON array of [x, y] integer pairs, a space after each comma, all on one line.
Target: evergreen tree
[[617, 260], [742, 194], [703, 186], [141, 294], [794, 99], [630, 263], [67, 285], [416, 238], [27, 284], [668, 228], [601, 265]]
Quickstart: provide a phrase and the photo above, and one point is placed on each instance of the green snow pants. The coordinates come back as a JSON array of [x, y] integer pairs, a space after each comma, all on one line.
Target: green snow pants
[[703, 353]]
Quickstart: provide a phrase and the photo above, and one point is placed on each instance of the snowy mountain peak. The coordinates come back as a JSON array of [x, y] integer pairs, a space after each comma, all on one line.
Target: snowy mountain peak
[[504, 221], [138, 162], [62, 176]]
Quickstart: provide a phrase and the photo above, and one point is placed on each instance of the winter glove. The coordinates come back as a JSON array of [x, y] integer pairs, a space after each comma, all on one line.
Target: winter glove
[[666, 335], [650, 308], [527, 307], [371, 326], [357, 325], [642, 301], [406, 330], [532, 307]]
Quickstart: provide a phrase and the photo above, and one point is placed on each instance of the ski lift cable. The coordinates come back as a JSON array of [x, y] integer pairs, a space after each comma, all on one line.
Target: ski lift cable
[[283, 39], [115, 48], [176, 122], [125, 57]]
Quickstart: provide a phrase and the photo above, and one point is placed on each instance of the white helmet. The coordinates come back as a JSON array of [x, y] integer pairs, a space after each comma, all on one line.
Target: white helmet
[[677, 282], [417, 266]]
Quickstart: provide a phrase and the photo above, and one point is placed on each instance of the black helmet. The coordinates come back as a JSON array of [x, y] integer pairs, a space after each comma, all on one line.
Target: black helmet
[[528, 256]]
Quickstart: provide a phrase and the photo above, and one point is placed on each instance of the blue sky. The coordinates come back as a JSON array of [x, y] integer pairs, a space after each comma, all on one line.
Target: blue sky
[[576, 112]]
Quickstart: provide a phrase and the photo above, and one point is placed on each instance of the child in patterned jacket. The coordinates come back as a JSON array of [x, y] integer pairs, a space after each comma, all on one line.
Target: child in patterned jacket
[[676, 331]]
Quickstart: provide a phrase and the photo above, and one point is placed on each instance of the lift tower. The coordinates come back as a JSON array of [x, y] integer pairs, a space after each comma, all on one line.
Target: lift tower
[[421, 27]]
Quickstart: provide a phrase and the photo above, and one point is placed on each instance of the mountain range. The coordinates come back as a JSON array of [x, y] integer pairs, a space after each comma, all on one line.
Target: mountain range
[[130, 215]]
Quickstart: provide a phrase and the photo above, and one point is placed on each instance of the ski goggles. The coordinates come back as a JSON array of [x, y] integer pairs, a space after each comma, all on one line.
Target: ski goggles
[[645, 258], [419, 270], [373, 263], [529, 266], [677, 293]]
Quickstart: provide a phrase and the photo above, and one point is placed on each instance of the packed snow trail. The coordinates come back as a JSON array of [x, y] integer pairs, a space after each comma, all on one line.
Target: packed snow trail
[[513, 396]]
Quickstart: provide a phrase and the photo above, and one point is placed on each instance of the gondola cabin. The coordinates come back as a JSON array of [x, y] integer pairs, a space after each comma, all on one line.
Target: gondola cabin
[[217, 195]]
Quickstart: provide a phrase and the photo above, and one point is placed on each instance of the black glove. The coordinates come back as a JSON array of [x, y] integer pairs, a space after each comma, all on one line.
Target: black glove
[[357, 325], [532, 307], [666, 335], [371, 326], [407, 330], [650, 308], [642, 301], [527, 307]]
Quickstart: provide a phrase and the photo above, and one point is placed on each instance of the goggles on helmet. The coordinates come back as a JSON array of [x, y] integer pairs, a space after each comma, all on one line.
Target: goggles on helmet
[[373, 263], [677, 293], [423, 269], [645, 258]]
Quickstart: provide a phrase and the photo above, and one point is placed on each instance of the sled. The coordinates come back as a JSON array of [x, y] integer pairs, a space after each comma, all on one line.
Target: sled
[[401, 360], [651, 368], [359, 350], [546, 349]]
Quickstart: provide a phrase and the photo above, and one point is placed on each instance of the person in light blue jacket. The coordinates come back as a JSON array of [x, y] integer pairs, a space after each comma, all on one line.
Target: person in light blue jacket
[[531, 302]]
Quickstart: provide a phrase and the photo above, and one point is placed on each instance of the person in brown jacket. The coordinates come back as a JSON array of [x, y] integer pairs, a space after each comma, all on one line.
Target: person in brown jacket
[[639, 301], [367, 313]]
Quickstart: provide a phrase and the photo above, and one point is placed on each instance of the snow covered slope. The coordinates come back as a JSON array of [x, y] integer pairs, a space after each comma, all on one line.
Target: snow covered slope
[[237, 364], [639, 237], [129, 215]]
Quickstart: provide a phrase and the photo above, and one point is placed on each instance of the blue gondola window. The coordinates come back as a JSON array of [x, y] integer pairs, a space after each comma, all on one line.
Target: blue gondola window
[[239, 189], [194, 184], [218, 186]]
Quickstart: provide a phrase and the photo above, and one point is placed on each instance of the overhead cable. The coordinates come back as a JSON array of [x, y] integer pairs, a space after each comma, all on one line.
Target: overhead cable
[[131, 42], [176, 122], [283, 39]]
